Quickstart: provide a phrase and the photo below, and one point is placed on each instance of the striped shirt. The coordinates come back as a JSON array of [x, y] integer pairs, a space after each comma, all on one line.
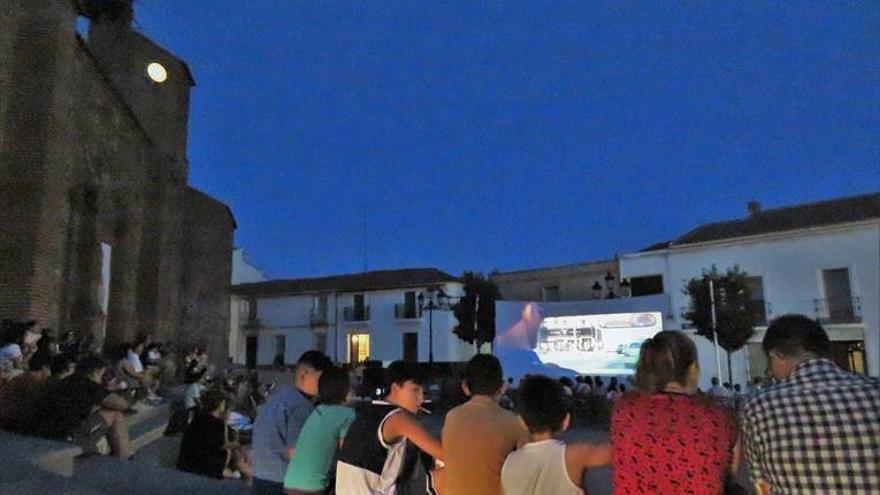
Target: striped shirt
[[816, 432]]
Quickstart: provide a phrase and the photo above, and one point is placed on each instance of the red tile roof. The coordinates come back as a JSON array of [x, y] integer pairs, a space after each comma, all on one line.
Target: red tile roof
[[374, 280], [797, 217]]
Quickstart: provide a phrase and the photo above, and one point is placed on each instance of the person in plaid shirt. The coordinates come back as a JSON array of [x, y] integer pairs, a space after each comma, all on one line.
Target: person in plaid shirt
[[817, 430]]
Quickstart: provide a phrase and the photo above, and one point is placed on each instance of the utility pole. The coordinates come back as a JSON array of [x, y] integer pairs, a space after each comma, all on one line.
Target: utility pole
[[715, 329]]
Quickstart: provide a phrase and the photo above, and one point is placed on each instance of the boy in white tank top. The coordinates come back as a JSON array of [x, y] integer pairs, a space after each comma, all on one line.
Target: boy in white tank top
[[545, 465]]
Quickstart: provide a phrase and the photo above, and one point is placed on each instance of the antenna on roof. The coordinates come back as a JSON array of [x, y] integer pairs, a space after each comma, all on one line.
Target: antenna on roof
[[364, 233]]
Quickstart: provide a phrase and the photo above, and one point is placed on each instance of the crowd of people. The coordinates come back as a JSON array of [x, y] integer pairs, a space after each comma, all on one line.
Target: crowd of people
[[813, 429], [67, 391]]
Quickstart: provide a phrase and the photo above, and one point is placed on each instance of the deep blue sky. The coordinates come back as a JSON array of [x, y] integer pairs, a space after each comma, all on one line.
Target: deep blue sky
[[475, 135]]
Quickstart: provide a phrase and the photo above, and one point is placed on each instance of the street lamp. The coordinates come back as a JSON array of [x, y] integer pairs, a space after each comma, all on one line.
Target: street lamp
[[609, 279], [432, 303], [597, 290], [609, 283]]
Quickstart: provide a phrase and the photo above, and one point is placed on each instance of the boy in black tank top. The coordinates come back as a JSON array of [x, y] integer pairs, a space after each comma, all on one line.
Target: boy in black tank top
[[373, 451]]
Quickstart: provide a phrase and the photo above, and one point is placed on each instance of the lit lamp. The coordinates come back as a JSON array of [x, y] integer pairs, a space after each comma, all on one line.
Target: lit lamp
[[157, 72]]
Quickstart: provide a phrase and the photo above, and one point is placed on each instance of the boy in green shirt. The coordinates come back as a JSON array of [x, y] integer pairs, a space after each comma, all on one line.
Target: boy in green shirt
[[321, 436]]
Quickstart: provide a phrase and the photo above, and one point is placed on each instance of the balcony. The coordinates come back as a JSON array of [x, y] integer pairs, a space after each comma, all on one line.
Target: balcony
[[356, 313], [760, 309], [838, 310], [405, 311], [252, 324], [318, 317]]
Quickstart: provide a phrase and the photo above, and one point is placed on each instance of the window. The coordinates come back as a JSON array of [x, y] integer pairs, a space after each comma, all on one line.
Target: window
[[757, 304], [319, 310], [358, 347], [646, 285], [850, 355], [280, 346], [321, 341], [551, 293], [411, 347], [409, 302], [252, 310], [360, 307], [319, 305], [407, 310], [837, 306]]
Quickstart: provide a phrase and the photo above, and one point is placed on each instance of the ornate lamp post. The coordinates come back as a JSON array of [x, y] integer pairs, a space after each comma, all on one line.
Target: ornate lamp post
[[609, 284], [436, 299]]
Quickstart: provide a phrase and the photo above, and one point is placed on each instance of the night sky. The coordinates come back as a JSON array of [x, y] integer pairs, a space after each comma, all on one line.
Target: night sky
[[511, 135]]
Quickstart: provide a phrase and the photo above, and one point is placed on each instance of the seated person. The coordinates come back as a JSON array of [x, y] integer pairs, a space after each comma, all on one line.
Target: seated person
[[19, 397], [545, 465], [372, 455], [195, 386], [309, 471], [205, 448], [79, 404], [13, 351], [61, 366], [132, 371]]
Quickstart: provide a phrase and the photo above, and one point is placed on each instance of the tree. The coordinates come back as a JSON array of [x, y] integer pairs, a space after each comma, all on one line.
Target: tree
[[476, 324], [733, 309]]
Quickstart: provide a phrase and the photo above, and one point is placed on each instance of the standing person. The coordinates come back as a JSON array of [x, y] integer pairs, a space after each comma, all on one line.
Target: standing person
[[478, 435], [665, 438], [280, 420], [717, 390], [818, 429], [546, 465], [372, 454], [310, 471]]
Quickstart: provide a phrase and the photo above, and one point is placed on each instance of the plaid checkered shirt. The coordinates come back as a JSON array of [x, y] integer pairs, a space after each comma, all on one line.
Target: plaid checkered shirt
[[817, 432]]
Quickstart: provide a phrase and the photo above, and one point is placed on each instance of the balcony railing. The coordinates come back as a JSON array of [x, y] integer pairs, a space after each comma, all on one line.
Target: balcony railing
[[356, 313], [405, 311], [838, 310], [760, 309], [252, 324], [318, 317]]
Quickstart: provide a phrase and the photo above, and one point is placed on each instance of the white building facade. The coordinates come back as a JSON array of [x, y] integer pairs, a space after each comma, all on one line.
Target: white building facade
[[821, 260], [373, 315], [243, 271]]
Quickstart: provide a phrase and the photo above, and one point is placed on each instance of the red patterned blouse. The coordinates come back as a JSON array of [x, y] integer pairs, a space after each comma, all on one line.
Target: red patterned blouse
[[670, 443]]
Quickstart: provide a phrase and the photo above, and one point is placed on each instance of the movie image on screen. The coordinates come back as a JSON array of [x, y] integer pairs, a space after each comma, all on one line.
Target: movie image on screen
[[567, 345], [606, 344]]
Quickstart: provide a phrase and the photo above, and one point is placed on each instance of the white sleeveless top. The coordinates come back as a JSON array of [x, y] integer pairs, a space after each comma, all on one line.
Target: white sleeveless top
[[538, 469]]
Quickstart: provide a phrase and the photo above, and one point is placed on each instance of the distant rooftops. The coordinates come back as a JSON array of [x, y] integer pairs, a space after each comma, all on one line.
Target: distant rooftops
[[788, 218], [374, 280]]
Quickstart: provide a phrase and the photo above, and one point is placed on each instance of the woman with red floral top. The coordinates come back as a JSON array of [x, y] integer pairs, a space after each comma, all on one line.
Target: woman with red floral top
[[665, 438]]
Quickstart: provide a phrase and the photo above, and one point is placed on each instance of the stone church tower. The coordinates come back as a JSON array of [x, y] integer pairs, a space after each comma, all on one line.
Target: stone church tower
[[99, 231]]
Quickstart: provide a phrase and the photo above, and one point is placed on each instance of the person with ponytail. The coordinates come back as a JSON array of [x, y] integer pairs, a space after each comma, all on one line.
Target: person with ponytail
[[665, 438]]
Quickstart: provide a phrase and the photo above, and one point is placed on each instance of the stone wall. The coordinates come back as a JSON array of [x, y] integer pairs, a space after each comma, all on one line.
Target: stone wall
[[85, 160]]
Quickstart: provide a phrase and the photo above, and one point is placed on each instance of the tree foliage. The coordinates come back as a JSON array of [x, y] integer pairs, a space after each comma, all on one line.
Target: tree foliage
[[735, 315], [476, 324]]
